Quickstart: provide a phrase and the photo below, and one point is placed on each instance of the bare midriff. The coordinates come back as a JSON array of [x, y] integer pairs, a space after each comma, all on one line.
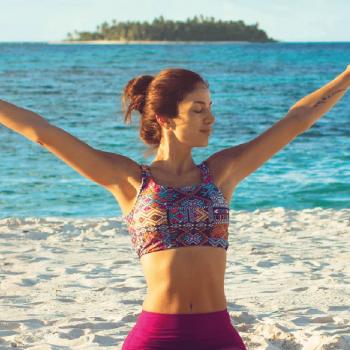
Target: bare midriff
[[185, 280]]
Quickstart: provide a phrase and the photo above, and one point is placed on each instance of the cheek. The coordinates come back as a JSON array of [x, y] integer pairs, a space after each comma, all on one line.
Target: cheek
[[187, 135], [190, 129]]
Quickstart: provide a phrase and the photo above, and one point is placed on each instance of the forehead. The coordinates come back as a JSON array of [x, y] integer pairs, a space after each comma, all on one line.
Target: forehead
[[199, 93]]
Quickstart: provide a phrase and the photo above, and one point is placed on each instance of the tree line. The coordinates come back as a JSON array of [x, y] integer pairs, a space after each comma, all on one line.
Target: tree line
[[193, 29]]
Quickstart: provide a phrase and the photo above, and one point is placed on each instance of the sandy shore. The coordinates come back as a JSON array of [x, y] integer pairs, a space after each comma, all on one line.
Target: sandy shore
[[123, 42], [77, 284]]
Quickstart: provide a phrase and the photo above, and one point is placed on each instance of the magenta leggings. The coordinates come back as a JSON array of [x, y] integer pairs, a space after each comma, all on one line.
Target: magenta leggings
[[204, 331]]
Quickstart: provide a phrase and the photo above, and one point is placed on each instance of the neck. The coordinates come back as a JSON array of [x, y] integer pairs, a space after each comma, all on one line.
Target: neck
[[174, 160]]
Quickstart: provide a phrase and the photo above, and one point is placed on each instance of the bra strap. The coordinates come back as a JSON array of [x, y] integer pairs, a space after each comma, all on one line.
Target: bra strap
[[205, 172], [145, 173], [144, 170], [206, 177]]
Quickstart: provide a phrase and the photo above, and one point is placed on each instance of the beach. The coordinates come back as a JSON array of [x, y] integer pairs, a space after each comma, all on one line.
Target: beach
[[69, 276], [76, 283]]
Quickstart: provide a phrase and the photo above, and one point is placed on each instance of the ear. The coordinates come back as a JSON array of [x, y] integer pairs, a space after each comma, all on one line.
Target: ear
[[162, 121]]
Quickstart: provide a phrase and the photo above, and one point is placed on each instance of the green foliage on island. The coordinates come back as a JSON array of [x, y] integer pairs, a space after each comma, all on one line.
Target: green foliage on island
[[195, 29]]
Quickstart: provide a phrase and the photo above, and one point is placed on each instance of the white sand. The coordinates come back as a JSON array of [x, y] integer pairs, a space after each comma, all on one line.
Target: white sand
[[77, 284]]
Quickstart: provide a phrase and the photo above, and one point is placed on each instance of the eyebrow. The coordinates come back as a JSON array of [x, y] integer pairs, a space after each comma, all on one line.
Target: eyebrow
[[202, 102]]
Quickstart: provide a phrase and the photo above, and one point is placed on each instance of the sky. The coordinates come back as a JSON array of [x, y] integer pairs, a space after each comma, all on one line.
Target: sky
[[284, 20]]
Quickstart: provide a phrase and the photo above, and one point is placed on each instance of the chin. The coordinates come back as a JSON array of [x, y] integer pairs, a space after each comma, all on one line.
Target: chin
[[203, 144]]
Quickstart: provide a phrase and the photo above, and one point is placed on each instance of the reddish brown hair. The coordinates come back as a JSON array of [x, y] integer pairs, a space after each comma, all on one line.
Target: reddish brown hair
[[160, 94]]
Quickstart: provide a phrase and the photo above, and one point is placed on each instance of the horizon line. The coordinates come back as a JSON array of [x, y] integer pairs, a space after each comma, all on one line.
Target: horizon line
[[165, 41]]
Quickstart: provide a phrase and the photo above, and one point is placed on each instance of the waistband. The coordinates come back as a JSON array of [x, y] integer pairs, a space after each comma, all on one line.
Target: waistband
[[195, 322], [210, 314]]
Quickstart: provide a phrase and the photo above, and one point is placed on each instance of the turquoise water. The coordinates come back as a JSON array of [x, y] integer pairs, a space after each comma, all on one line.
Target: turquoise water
[[78, 88]]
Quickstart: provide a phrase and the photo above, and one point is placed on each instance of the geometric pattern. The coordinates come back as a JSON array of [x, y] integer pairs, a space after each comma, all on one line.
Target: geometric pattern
[[166, 217]]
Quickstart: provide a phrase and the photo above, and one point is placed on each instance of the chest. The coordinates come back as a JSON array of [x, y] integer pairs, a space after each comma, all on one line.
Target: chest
[[190, 205]]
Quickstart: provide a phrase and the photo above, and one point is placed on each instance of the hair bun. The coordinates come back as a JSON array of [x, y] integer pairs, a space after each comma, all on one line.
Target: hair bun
[[136, 90], [140, 84]]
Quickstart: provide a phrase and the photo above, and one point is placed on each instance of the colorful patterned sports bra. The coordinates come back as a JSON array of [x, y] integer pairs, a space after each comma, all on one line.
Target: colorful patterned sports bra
[[166, 217]]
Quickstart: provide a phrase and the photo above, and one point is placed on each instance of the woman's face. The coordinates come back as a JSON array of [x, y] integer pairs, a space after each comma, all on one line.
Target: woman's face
[[194, 123]]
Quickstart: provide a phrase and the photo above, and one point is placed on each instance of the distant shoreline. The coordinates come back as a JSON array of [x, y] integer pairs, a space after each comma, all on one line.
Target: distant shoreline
[[123, 42]]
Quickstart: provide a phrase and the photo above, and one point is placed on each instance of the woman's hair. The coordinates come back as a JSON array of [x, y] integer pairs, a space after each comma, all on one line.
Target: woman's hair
[[160, 94]]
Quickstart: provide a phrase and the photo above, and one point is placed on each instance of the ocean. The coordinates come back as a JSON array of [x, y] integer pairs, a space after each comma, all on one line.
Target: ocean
[[69, 274], [78, 88]]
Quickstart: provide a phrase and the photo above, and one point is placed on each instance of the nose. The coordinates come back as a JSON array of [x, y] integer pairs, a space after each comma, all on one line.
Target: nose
[[212, 118]]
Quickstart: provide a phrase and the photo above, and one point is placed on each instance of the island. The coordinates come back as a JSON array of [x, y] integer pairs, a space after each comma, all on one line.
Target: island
[[196, 29]]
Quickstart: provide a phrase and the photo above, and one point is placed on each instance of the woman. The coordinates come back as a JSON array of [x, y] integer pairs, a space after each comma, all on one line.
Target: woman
[[173, 203]]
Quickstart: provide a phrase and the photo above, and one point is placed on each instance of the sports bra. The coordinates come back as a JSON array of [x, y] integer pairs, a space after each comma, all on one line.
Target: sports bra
[[165, 217]]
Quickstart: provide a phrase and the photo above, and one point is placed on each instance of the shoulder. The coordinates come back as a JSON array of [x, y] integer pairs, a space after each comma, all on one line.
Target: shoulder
[[222, 165], [125, 186], [124, 168], [127, 178], [226, 158]]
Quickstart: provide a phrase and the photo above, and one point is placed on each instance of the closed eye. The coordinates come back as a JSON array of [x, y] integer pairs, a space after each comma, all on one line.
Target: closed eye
[[202, 110], [203, 103]]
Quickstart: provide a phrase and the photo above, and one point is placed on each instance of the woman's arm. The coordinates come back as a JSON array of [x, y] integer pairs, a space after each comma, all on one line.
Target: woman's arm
[[313, 106], [110, 170], [237, 162], [21, 120]]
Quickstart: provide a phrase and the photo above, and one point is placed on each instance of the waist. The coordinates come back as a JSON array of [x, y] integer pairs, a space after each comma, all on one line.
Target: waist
[[185, 279], [184, 303]]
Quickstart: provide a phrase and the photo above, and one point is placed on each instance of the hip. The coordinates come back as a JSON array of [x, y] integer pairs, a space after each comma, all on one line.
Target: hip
[[211, 330]]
